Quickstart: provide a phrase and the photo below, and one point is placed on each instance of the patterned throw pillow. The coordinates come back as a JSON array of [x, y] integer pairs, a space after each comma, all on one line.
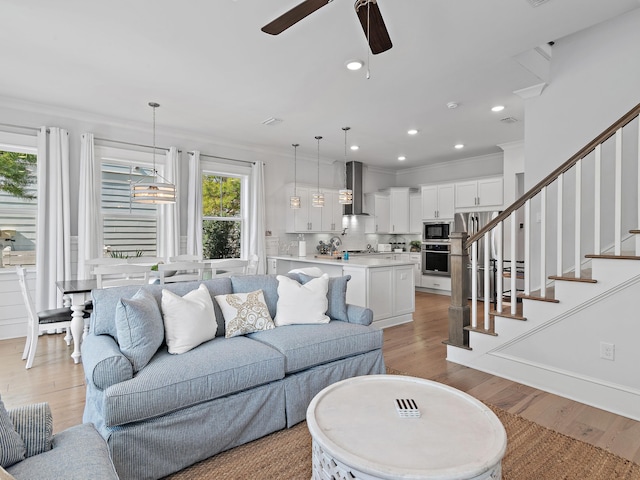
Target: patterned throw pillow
[[244, 313], [12, 448], [189, 320]]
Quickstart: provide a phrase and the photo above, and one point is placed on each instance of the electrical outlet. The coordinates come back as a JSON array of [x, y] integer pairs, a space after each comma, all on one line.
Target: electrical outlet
[[607, 351]]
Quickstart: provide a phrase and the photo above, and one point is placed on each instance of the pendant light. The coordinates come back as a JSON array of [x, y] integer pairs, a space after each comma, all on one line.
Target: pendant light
[[318, 198], [154, 192], [294, 201], [345, 195]]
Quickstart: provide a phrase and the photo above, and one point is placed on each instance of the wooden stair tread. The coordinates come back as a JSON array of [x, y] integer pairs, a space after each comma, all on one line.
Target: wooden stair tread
[[573, 279], [519, 275], [634, 231], [506, 313], [535, 295], [481, 330], [625, 256]]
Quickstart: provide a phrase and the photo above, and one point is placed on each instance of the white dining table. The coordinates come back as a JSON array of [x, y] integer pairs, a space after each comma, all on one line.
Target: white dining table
[[78, 291]]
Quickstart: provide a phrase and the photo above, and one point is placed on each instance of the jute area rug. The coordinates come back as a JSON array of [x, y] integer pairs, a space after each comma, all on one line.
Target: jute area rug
[[533, 453]]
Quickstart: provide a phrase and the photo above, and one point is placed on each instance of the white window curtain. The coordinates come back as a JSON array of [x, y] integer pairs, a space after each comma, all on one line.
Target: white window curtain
[[256, 222], [194, 206], [53, 232], [89, 212], [168, 214]]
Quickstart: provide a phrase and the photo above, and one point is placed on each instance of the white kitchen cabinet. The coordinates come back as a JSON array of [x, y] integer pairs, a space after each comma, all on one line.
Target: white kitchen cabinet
[[399, 210], [416, 258], [391, 291], [438, 201], [485, 192], [404, 295], [378, 206], [415, 213], [308, 218], [436, 282]]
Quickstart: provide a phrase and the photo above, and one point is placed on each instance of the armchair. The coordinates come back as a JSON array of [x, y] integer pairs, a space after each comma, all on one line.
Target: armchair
[[30, 450]]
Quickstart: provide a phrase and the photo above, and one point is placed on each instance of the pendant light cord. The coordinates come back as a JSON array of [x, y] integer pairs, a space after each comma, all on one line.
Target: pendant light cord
[[318, 138], [346, 129], [154, 105], [295, 168]]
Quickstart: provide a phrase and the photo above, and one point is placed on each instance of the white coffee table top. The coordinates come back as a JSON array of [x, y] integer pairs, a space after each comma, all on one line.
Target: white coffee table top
[[356, 421]]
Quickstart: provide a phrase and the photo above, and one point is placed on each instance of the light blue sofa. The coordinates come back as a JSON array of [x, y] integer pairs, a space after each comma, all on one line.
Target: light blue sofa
[[180, 409]]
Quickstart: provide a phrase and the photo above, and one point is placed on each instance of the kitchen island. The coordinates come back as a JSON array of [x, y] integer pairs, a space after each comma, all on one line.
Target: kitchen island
[[384, 285]]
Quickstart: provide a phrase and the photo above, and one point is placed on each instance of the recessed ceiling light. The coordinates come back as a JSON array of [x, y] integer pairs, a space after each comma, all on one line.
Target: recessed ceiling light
[[452, 105], [354, 64], [459, 146], [402, 158], [413, 131], [497, 108], [354, 147]]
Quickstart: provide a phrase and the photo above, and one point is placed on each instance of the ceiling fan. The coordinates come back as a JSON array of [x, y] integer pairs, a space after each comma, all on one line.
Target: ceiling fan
[[368, 13]]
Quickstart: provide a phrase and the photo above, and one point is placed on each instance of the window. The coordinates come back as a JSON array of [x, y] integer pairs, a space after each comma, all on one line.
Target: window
[[223, 214], [18, 202], [129, 229]]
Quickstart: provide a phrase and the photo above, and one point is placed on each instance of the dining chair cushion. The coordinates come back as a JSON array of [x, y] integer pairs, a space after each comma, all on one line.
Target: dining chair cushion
[[336, 296], [12, 447], [140, 328], [302, 304], [244, 313], [189, 320]]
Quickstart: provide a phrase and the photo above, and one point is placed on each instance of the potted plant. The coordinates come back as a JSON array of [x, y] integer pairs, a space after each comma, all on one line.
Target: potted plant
[[415, 245]]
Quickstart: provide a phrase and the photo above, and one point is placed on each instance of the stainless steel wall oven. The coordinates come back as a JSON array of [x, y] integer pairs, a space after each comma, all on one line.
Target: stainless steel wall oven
[[435, 259]]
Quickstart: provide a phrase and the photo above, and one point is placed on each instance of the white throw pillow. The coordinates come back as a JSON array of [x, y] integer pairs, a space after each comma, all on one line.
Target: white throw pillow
[[244, 313], [189, 320], [302, 304]]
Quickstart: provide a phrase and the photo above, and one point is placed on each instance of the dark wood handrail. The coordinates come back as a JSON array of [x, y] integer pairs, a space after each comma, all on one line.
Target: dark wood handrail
[[549, 179]]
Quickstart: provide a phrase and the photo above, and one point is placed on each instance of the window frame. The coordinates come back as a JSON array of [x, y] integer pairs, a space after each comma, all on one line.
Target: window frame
[[211, 168]]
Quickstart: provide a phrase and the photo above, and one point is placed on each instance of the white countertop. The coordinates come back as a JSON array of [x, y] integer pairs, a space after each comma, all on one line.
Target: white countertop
[[354, 261]]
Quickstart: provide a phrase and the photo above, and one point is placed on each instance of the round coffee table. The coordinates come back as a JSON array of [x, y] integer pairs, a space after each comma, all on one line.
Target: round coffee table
[[361, 431]]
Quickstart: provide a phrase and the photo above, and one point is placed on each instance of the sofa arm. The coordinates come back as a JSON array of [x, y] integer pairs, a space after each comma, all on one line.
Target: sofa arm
[[103, 362], [359, 315], [34, 424]]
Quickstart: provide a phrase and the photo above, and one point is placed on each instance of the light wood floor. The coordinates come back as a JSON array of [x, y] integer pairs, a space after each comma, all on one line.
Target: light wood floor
[[415, 348]]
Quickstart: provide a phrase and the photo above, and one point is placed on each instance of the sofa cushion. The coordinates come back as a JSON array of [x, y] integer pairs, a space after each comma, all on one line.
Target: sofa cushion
[[189, 320], [140, 329], [34, 424], [336, 296], [305, 346], [12, 447], [105, 301], [244, 313], [168, 383], [302, 304]]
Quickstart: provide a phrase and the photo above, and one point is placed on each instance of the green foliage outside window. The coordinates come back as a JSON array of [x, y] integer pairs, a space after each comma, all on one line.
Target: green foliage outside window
[[16, 173], [221, 227]]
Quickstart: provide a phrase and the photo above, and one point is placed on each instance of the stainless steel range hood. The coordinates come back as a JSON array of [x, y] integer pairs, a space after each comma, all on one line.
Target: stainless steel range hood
[[354, 182]]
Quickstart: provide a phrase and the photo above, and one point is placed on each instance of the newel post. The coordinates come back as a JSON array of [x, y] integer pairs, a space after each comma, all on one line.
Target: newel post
[[459, 308]]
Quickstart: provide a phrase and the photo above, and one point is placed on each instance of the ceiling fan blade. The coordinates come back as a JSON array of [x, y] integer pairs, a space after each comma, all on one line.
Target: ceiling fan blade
[[293, 16], [379, 39]]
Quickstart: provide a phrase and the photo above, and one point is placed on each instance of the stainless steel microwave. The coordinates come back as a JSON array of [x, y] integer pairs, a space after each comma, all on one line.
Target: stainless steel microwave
[[436, 231]]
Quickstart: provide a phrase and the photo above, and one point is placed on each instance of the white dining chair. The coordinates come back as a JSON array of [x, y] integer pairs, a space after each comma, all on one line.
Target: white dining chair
[[145, 260], [185, 258], [121, 274], [40, 322], [226, 267], [185, 271]]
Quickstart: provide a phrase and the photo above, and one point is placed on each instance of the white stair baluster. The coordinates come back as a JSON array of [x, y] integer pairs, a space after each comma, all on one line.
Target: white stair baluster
[[638, 191], [617, 234], [543, 242], [499, 267], [527, 247], [487, 281], [514, 264], [596, 198], [474, 284], [578, 220], [559, 267]]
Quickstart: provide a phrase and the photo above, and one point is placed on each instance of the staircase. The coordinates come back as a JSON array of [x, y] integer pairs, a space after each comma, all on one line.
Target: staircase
[[564, 318]]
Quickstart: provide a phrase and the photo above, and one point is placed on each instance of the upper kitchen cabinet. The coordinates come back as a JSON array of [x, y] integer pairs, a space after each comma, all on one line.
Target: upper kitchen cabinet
[[485, 192], [308, 218], [399, 210], [415, 212], [378, 206], [438, 202]]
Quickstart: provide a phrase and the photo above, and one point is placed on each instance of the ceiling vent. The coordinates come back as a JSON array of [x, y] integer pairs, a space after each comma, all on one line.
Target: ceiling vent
[[537, 3], [509, 120]]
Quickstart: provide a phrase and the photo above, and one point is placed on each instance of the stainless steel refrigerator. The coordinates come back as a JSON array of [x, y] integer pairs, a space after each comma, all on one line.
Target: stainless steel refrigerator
[[473, 222]]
